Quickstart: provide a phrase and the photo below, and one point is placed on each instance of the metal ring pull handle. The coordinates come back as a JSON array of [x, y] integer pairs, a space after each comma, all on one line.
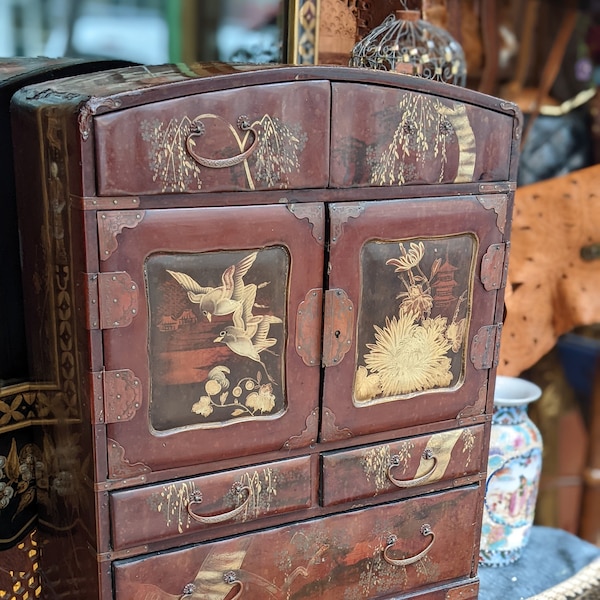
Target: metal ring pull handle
[[229, 577], [408, 483], [199, 130], [238, 488], [403, 562]]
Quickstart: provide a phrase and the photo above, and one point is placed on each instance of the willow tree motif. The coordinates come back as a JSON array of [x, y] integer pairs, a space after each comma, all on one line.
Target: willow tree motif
[[169, 161], [423, 133], [277, 151]]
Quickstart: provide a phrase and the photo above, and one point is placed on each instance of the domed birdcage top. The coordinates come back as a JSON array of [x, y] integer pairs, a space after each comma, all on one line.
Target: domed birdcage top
[[404, 43]]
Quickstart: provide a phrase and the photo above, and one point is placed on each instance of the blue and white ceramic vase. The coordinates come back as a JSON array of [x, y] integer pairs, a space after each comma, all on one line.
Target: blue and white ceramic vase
[[513, 477]]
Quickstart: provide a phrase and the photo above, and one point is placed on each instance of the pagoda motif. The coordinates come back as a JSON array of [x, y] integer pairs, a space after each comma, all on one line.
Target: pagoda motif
[[444, 285]]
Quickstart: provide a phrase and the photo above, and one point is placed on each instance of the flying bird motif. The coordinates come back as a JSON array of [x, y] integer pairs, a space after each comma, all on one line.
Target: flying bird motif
[[226, 298], [248, 336]]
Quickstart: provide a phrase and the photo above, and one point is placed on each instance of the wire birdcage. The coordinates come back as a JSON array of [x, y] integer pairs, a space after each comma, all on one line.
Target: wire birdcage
[[405, 43]]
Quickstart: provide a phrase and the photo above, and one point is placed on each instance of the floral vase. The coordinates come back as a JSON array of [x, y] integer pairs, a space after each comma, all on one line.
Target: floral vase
[[513, 474]]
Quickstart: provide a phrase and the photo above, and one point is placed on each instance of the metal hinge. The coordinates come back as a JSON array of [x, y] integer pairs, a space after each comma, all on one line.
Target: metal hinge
[[485, 347], [116, 396], [494, 266], [112, 299]]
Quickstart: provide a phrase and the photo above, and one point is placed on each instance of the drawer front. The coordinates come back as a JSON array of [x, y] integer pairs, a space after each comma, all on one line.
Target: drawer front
[[251, 138], [402, 466], [387, 137], [169, 510], [395, 548]]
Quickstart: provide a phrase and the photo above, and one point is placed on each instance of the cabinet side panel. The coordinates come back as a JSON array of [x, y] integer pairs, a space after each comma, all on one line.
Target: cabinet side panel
[[47, 155]]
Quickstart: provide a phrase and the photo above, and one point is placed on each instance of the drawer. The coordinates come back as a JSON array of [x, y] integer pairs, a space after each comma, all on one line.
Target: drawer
[[172, 509], [402, 466], [387, 137], [250, 138], [370, 553]]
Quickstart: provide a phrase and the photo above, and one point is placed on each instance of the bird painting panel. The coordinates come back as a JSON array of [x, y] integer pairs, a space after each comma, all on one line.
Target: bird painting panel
[[217, 333]]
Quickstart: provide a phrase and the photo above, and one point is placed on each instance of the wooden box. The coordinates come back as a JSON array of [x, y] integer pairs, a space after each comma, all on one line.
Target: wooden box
[[271, 301]]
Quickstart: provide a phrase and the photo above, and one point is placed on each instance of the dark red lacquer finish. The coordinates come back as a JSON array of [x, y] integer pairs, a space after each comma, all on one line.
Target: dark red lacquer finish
[[271, 304]]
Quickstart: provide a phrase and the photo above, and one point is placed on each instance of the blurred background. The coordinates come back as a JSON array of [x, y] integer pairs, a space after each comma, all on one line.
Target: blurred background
[[145, 31]]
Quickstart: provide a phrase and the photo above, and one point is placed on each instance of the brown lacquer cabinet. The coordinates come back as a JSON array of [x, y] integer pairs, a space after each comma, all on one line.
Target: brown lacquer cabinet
[[266, 305]]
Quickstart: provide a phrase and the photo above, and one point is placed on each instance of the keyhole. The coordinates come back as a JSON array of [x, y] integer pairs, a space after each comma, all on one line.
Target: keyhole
[[337, 333]]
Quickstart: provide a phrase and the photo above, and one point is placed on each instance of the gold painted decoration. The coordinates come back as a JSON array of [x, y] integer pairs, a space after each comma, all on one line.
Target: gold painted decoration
[[216, 337], [262, 153], [414, 317], [169, 161], [424, 130], [173, 501], [377, 460]]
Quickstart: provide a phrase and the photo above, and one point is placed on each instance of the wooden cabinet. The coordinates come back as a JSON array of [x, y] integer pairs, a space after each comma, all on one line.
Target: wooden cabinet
[[271, 301]]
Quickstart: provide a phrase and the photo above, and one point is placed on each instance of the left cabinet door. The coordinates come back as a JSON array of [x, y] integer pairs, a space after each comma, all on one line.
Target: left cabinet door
[[199, 317]]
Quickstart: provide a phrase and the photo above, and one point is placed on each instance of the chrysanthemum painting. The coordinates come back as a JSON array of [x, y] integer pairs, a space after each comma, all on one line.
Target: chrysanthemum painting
[[420, 347], [408, 356]]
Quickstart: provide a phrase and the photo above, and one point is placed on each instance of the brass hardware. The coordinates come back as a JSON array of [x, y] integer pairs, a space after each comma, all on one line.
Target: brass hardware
[[238, 488], [330, 430], [338, 325], [188, 590], [111, 223], [591, 252], [494, 267], [403, 562], [409, 483], [220, 163], [231, 578], [499, 204], [485, 347], [122, 395], [308, 320], [112, 299]]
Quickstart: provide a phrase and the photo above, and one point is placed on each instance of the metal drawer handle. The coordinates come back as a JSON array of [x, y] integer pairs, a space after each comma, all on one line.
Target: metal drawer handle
[[199, 130], [403, 562], [238, 488], [230, 577], [395, 461]]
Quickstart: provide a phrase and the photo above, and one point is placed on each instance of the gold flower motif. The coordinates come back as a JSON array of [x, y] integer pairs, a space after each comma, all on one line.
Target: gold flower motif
[[219, 374], [212, 387], [366, 386], [203, 406], [410, 258], [456, 334], [410, 357], [416, 301], [262, 400]]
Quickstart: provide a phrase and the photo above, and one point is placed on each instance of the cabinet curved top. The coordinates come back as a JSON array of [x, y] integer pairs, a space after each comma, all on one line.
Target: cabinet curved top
[[136, 85]]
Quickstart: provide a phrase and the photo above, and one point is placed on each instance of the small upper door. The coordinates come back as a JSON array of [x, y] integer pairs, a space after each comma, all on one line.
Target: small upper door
[[200, 352], [410, 311]]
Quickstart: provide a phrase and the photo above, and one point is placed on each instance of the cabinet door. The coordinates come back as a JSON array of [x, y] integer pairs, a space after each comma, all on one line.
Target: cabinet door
[[411, 298], [198, 311]]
